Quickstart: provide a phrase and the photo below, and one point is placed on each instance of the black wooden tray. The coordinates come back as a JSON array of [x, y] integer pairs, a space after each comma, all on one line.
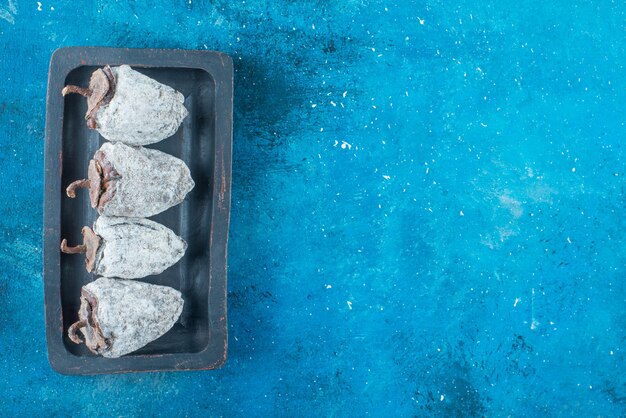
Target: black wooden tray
[[204, 142]]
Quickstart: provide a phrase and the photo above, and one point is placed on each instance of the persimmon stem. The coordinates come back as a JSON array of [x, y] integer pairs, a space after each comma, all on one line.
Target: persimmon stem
[[79, 249], [71, 332], [75, 89], [78, 184]]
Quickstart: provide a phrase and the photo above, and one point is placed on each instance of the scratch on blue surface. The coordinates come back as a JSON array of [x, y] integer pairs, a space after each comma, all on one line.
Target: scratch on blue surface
[[9, 12], [427, 212]]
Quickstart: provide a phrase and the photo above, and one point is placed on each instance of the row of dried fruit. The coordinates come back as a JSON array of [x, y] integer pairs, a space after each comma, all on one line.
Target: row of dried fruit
[[128, 183]]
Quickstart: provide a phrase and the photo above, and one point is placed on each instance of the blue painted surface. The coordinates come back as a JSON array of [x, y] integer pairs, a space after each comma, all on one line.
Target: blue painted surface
[[428, 203]]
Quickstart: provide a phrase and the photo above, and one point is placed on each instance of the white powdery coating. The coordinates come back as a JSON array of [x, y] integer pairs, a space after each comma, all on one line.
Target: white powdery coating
[[142, 110], [152, 181], [132, 314], [132, 248]]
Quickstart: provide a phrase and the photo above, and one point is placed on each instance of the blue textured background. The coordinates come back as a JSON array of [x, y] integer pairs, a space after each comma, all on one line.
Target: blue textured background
[[428, 207]]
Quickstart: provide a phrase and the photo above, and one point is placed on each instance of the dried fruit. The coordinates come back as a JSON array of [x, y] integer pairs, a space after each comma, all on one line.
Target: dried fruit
[[134, 181], [129, 248], [117, 317], [127, 106]]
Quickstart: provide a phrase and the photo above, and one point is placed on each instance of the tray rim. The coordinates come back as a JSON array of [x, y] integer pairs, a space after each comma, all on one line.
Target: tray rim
[[220, 67]]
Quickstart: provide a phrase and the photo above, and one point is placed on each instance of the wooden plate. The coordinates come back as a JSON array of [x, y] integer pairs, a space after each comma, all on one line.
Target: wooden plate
[[204, 142]]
